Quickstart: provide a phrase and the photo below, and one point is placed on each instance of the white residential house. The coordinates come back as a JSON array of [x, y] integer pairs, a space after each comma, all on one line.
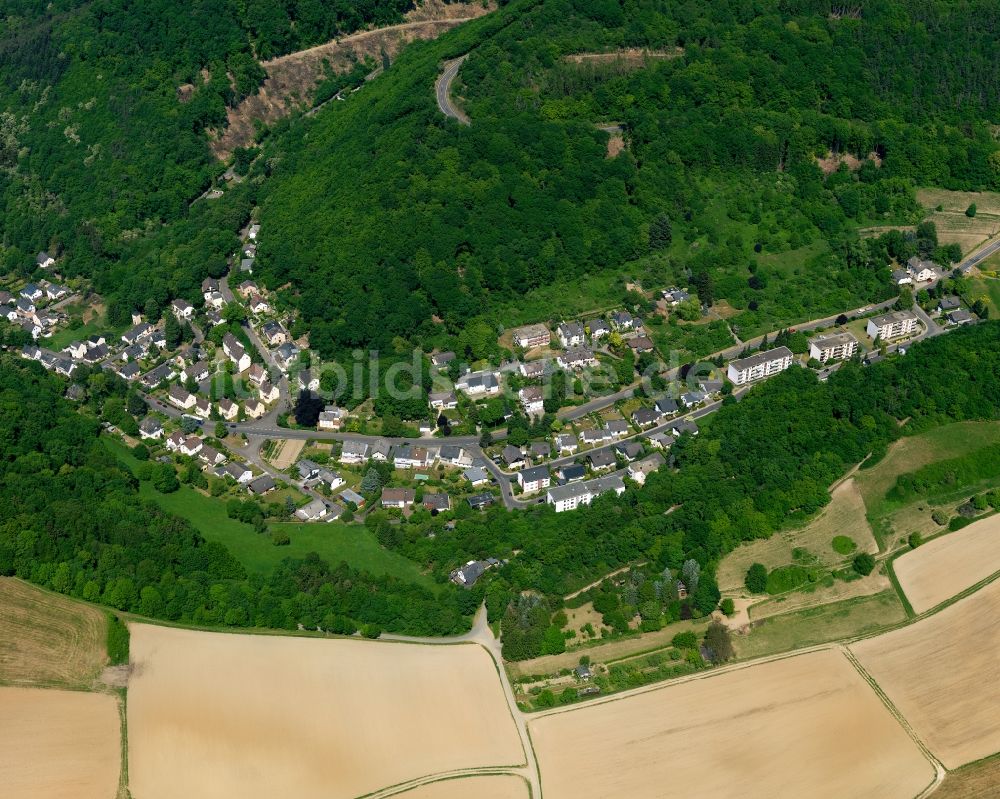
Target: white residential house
[[229, 410], [181, 398], [268, 392], [443, 400], [893, 325], [836, 347], [247, 288], [397, 497], [576, 358], [639, 470], [566, 444], [902, 278], [531, 336], [202, 407], [354, 452], [257, 374], [182, 309], [571, 334], [532, 400], [255, 409], [150, 427], [761, 365], [44, 260], [532, 369], [274, 334], [307, 381], [192, 446], [478, 384], [921, 270], [236, 352], [454, 455], [196, 371], [534, 479], [316, 509], [258, 304], [331, 418], [569, 496], [214, 299]]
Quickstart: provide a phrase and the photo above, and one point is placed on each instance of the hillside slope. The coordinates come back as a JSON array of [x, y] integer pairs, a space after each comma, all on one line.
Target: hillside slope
[[469, 222]]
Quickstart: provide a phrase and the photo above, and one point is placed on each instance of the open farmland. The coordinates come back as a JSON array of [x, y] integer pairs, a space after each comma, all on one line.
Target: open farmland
[[47, 639], [212, 714], [801, 726], [58, 744], [942, 675], [975, 781], [950, 564], [491, 787], [844, 515]]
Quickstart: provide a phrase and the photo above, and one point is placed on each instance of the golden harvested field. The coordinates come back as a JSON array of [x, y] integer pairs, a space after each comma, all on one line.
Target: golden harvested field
[[943, 676], [58, 744], [801, 726], [286, 452], [491, 787], [948, 565], [47, 639], [976, 781], [844, 515], [219, 715]]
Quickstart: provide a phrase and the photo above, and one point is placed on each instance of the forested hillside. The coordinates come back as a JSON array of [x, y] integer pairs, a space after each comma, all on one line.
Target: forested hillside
[[383, 212], [104, 107]]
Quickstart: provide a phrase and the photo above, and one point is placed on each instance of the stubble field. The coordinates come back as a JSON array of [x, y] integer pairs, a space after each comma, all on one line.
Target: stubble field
[[946, 566], [58, 744], [47, 639], [491, 787], [944, 676], [219, 715], [801, 726]]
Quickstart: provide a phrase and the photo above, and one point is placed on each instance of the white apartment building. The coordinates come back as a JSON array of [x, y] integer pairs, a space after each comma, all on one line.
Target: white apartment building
[[836, 347], [893, 325], [761, 365]]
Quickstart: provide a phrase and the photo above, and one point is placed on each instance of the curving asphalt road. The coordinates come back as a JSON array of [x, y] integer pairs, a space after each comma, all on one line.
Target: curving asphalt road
[[442, 88]]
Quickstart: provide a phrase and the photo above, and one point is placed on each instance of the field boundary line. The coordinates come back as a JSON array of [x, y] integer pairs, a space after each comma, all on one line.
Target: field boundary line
[[939, 769], [400, 788]]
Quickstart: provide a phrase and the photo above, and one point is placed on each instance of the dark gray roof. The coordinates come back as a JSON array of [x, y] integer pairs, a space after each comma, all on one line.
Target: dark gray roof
[[534, 474]]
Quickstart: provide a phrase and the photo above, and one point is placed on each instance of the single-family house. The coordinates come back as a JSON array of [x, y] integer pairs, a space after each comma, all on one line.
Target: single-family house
[[480, 501], [570, 473], [137, 333], [175, 440], [247, 288], [192, 446], [691, 398], [597, 328], [331, 418], [381, 450], [151, 427], [437, 502], [286, 354], [513, 457], [181, 398], [640, 344], [182, 309], [252, 232], [209, 284], [454, 455], [960, 317], [571, 334], [534, 479], [901, 277], [306, 380], [639, 470], [468, 574], [408, 456], [921, 270], [629, 450], [601, 459], [268, 392], [256, 374], [32, 292], [532, 400], [307, 469], [216, 301], [566, 444], [330, 478], [54, 291], [443, 400], [254, 408], [44, 260], [533, 370], [312, 511], [258, 304], [949, 303], [397, 497], [593, 437], [675, 296], [622, 320], [539, 450], [261, 485], [441, 359], [274, 333], [236, 352], [577, 358], [616, 428], [228, 409], [210, 456], [202, 407], [246, 265], [645, 417], [476, 384], [476, 476]]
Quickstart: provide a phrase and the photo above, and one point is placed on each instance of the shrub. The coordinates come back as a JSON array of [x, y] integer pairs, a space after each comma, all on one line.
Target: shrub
[[939, 517], [727, 606], [280, 538], [756, 579], [117, 640], [685, 640], [785, 578], [843, 545], [958, 523], [971, 211], [915, 540], [863, 564]]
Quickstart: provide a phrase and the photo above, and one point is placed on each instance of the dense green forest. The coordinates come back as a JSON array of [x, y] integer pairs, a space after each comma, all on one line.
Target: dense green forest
[[722, 147], [71, 518], [100, 146]]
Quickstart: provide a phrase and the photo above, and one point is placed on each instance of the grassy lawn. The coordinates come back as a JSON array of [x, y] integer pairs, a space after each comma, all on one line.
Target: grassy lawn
[[334, 542], [64, 336], [987, 289], [589, 293], [820, 625]]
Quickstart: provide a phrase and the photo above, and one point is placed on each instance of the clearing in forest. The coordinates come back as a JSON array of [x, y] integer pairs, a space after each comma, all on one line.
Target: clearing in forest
[[259, 716], [948, 565], [500, 786], [807, 725], [952, 223], [943, 676], [58, 744], [844, 515], [47, 639]]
